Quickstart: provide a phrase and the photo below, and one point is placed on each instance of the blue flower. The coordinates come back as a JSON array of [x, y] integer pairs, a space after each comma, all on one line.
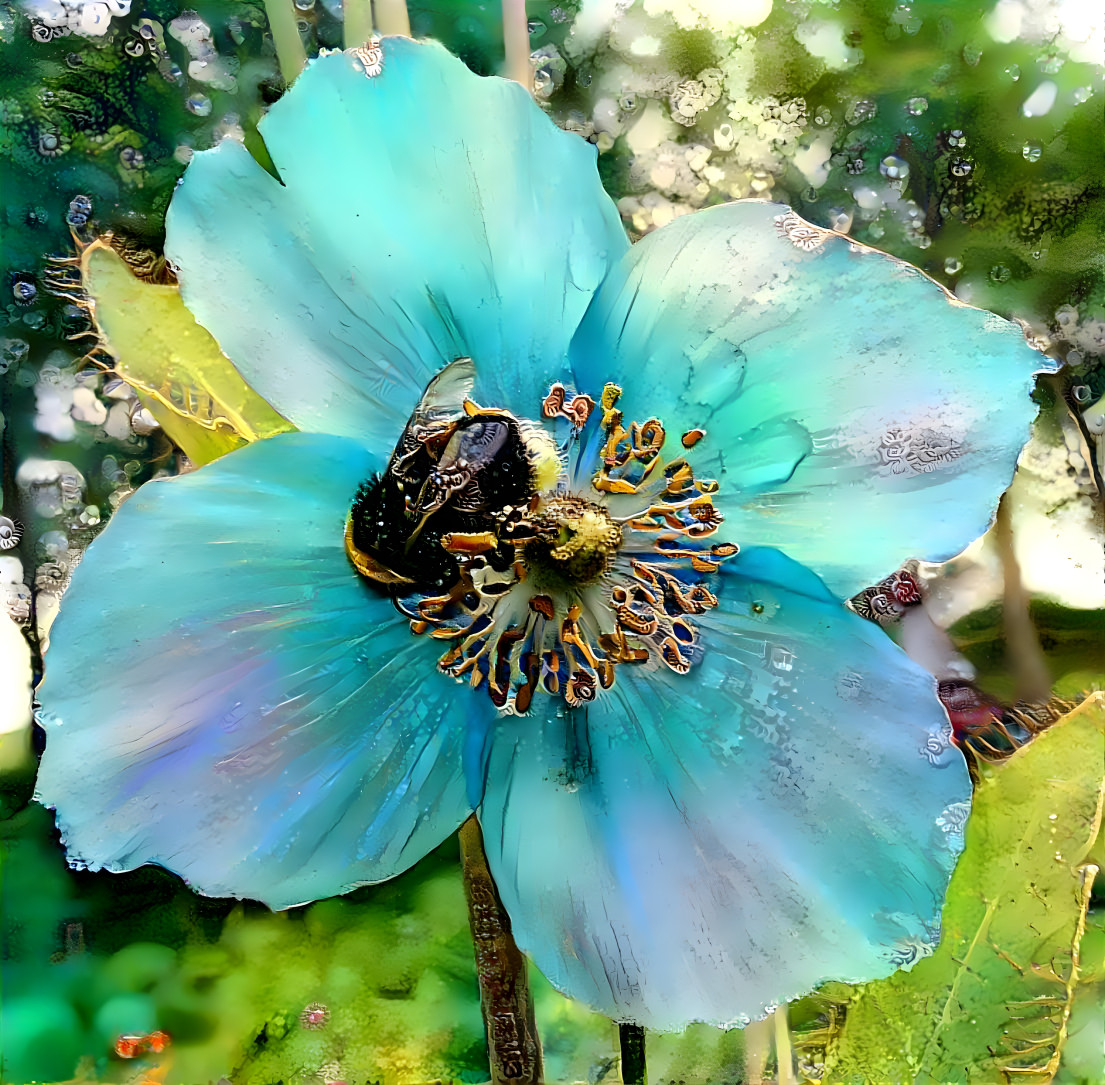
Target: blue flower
[[704, 785]]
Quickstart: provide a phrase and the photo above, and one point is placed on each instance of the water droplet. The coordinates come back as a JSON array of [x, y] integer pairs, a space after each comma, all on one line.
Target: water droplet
[[1032, 152], [972, 54], [916, 106], [304, 5], [894, 168], [1082, 94], [1000, 273], [1052, 817], [1081, 392], [956, 138], [1040, 101], [961, 167], [861, 110], [199, 104], [923, 241], [823, 116], [1014, 72], [952, 266]]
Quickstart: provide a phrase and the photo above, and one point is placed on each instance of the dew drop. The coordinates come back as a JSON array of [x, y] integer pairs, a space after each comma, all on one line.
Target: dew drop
[[1032, 152], [1040, 101], [864, 109], [1014, 72], [961, 167], [894, 168], [916, 106], [1000, 273], [956, 138], [199, 104], [952, 266]]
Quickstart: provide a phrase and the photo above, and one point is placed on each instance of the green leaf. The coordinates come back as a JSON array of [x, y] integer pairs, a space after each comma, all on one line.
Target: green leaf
[[993, 1002], [181, 376]]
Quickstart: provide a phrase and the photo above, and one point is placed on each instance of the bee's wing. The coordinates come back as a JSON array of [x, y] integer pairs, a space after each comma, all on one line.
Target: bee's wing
[[441, 405]]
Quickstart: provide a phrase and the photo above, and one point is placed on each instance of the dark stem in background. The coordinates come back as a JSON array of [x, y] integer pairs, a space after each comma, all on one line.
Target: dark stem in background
[[513, 1047], [632, 1041]]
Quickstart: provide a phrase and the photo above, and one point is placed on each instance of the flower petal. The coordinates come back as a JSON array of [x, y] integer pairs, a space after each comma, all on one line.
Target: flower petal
[[424, 214], [859, 416], [226, 697], [703, 847]]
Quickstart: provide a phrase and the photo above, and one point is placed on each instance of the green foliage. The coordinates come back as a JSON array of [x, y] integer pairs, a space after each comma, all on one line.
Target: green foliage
[[996, 996]]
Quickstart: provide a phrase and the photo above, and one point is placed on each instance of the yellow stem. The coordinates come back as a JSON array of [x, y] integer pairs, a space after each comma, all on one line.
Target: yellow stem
[[290, 54], [783, 1054], [757, 1047], [358, 22], [516, 43], [1026, 657], [392, 17]]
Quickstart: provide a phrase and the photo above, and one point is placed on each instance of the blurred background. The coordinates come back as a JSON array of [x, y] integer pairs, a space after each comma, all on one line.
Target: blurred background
[[964, 138]]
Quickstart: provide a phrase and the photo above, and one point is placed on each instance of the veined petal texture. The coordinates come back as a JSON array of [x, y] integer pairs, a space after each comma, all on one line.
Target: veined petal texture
[[226, 697], [703, 847], [425, 213], [856, 414]]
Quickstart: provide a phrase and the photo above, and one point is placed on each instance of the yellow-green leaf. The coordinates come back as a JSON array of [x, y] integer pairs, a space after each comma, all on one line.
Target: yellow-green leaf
[[993, 1003], [176, 367]]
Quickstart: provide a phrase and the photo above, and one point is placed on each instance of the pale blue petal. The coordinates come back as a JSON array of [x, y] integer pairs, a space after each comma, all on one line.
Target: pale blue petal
[[857, 415], [224, 695], [702, 847], [425, 214]]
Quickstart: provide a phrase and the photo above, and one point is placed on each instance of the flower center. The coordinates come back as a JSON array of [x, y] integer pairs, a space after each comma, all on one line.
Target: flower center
[[576, 541], [544, 561]]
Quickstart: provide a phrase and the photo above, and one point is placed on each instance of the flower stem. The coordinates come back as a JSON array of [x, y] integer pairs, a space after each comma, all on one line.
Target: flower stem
[[358, 22], [290, 54], [631, 1039], [513, 1047], [784, 1055], [1022, 643], [516, 43], [392, 17], [757, 1047]]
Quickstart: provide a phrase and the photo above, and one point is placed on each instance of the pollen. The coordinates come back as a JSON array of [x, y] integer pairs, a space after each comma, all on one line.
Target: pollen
[[576, 540]]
